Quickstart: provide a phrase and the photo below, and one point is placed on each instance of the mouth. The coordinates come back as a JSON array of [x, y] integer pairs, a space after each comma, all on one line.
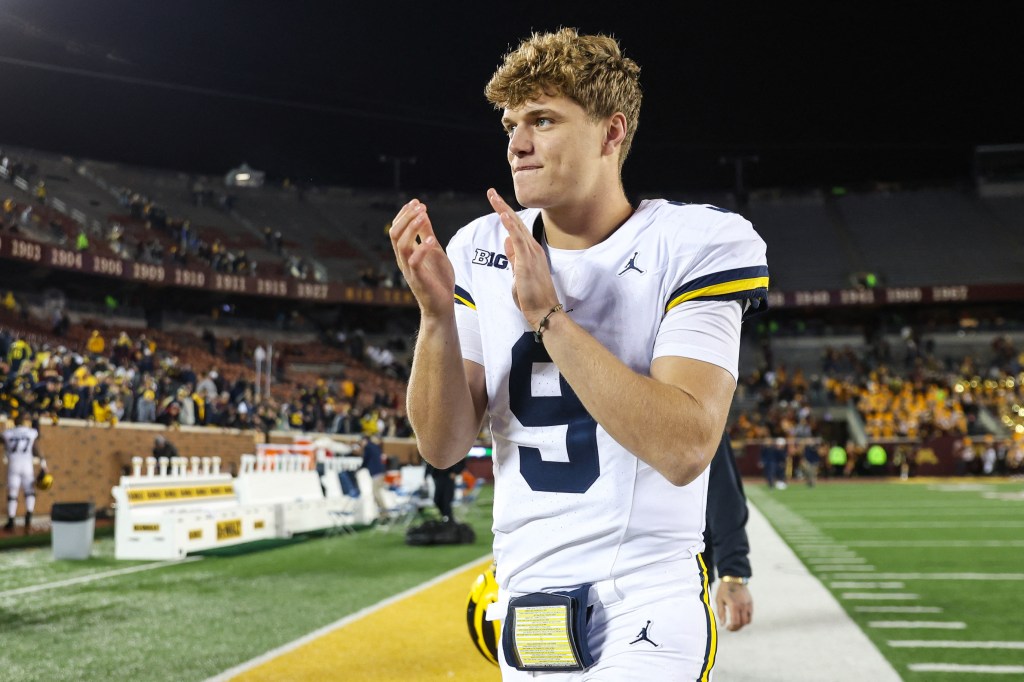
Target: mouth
[[522, 169]]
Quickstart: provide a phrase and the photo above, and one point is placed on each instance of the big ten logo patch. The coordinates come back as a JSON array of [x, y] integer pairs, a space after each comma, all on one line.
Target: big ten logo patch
[[491, 259]]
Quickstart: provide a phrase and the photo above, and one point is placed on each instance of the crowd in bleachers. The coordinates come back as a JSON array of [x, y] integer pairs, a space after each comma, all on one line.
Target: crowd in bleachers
[[914, 398], [113, 378], [186, 244]]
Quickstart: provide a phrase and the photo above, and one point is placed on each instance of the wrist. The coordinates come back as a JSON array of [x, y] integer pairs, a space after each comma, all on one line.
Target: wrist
[[739, 580], [547, 321]]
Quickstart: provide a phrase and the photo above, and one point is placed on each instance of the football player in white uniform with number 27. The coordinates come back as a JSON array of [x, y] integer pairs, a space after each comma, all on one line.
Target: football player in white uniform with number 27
[[601, 340]]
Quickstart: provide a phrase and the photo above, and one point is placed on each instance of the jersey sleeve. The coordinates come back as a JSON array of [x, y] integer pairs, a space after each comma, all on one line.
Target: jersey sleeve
[[731, 266], [725, 281], [460, 252]]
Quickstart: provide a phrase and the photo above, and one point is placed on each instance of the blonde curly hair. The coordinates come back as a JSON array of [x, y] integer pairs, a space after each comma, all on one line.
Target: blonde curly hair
[[588, 69]]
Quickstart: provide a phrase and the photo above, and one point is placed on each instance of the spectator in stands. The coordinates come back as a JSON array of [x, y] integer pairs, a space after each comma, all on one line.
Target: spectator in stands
[[186, 406], [96, 345], [146, 401], [207, 388], [20, 351], [168, 411]]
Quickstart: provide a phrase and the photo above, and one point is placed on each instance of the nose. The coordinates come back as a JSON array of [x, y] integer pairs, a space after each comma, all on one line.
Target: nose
[[519, 142]]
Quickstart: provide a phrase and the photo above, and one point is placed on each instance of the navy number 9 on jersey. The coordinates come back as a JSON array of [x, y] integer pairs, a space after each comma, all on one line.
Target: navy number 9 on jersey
[[583, 467]]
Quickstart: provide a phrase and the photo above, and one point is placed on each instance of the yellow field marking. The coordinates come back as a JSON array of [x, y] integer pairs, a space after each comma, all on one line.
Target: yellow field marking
[[422, 637]]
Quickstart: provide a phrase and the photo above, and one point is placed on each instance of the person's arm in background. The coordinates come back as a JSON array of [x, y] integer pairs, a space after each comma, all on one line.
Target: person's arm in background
[[726, 525]]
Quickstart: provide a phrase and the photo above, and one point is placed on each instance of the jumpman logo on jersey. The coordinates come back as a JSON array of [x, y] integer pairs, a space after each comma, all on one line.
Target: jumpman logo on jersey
[[631, 265], [642, 637]]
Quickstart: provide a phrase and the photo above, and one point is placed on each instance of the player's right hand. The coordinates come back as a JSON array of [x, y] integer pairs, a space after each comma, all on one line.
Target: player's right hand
[[422, 260]]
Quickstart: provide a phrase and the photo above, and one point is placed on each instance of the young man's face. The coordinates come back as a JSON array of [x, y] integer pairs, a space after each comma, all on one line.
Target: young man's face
[[555, 152]]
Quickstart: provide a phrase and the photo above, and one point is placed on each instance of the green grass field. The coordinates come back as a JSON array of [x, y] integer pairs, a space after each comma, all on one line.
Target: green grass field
[[192, 620], [954, 549]]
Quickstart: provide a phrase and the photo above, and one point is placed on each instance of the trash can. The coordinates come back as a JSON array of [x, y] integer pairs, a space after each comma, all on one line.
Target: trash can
[[74, 525]]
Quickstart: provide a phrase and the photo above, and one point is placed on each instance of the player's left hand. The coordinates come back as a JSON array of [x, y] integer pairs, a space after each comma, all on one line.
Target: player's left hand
[[532, 289], [735, 605]]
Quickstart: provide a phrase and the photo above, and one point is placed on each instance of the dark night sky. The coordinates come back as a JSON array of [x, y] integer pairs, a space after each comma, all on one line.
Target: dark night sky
[[320, 90]]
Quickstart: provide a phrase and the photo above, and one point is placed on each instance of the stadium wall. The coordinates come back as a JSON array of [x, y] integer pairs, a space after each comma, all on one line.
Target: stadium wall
[[87, 460]]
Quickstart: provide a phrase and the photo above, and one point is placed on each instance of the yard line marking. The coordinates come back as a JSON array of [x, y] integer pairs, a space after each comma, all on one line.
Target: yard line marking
[[961, 487], [881, 596], [1009, 497], [911, 511], [919, 624], [951, 644], [958, 668], [93, 577], [939, 543], [936, 576], [838, 569], [898, 609], [920, 524], [835, 552], [837, 560], [858, 584]]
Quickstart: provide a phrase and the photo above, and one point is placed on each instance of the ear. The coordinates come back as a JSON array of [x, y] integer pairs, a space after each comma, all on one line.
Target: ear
[[615, 132]]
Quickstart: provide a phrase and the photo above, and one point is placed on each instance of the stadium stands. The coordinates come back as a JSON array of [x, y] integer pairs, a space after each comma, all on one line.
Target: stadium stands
[[817, 239], [328, 376]]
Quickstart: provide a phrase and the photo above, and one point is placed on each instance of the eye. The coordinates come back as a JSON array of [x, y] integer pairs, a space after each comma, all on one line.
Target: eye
[[543, 122]]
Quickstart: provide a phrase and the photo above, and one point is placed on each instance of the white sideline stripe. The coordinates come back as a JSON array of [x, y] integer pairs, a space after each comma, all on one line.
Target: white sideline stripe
[[919, 624], [951, 644], [898, 609], [93, 577], [879, 595], [858, 584], [938, 543], [957, 668], [935, 576], [342, 622]]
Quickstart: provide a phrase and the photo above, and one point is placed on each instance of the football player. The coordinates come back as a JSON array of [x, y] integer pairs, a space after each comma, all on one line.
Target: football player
[[600, 337], [20, 449]]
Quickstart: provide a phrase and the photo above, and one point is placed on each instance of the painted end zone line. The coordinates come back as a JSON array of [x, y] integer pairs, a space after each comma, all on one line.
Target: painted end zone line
[[330, 627], [955, 668], [951, 644], [94, 576]]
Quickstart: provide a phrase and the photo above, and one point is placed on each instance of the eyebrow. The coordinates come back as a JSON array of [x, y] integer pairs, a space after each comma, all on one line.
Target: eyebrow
[[529, 113]]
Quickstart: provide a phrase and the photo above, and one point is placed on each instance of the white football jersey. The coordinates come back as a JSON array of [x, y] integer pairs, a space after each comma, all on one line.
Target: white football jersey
[[18, 443], [573, 506]]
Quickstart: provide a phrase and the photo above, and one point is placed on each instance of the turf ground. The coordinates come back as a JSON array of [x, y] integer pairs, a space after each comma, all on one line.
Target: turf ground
[[952, 552], [933, 572], [72, 620]]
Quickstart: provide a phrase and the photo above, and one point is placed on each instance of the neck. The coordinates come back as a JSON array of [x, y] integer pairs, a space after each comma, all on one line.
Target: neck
[[583, 225]]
